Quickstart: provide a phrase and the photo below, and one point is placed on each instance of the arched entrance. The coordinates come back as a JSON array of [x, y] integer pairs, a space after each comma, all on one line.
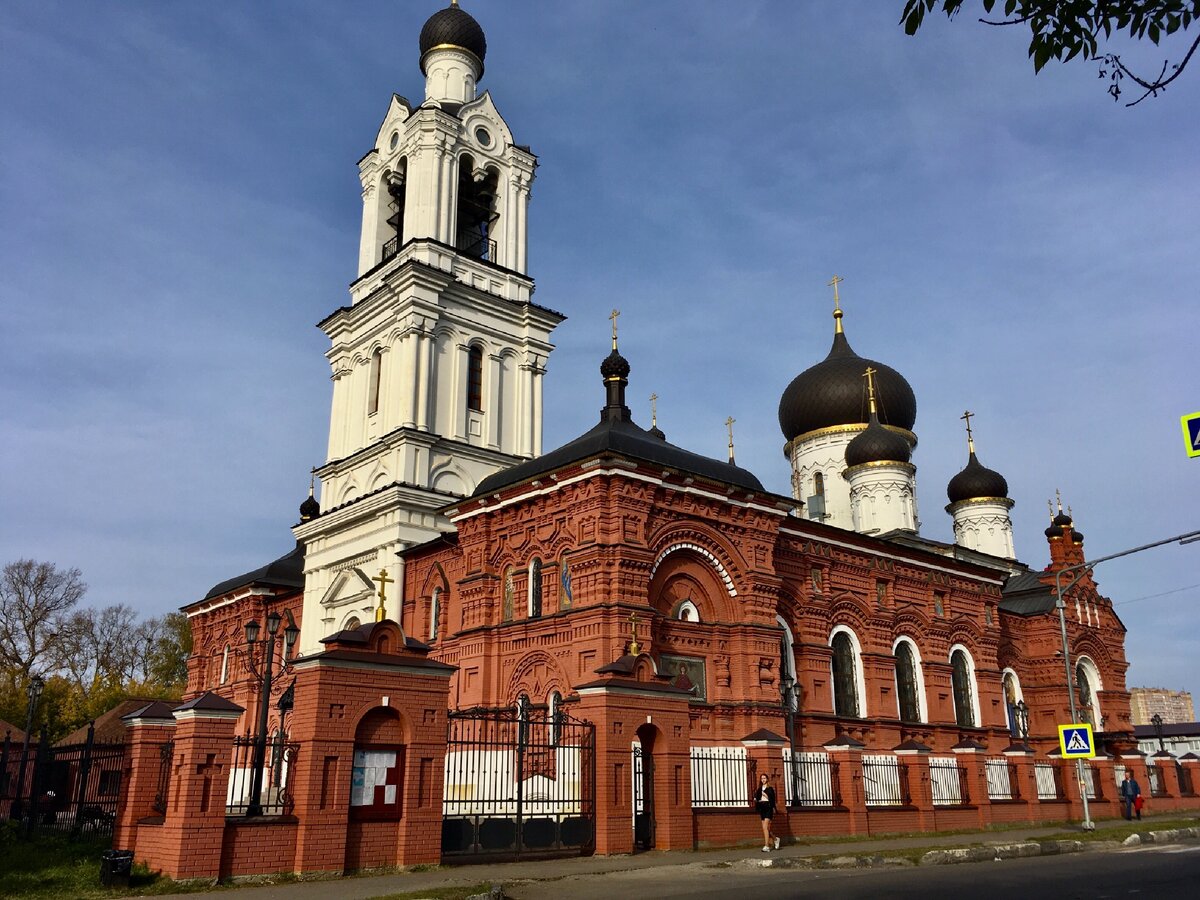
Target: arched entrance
[[643, 789]]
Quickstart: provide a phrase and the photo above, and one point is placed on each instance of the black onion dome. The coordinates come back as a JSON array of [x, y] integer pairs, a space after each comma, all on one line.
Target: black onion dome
[[1076, 536], [1062, 519], [309, 509], [877, 444], [1054, 531], [452, 27], [831, 393], [976, 481], [614, 366]]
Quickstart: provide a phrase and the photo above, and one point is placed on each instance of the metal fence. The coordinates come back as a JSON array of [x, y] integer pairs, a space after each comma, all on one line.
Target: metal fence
[[1049, 781], [275, 796], [1158, 787], [518, 781], [948, 782], [1091, 783], [162, 789], [72, 788], [885, 781], [1002, 781], [721, 777], [1186, 786], [813, 780]]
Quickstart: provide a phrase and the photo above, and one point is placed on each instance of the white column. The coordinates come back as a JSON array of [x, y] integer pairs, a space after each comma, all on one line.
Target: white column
[[369, 236], [522, 229], [456, 403], [492, 412], [537, 373], [508, 253], [424, 369], [406, 379]]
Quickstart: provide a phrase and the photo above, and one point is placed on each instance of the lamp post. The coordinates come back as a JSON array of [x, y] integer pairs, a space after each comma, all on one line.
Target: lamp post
[[274, 619], [1157, 722], [1078, 571], [36, 685], [789, 700]]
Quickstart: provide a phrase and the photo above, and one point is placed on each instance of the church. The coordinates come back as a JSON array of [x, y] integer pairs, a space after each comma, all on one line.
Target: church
[[599, 647]]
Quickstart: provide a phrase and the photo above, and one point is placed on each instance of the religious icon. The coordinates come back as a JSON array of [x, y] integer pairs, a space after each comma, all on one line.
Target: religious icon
[[687, 673]]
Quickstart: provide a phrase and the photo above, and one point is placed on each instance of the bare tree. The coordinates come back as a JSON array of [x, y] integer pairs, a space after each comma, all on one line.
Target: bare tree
[[36, 599]]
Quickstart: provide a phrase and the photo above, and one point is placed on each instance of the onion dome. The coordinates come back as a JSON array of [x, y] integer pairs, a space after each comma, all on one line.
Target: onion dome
[[1062, 518], [1077, 537], [614, 366], [1054, 531], [877, 444], [310, 508], [975, 482], [831, 392], [453, 28]]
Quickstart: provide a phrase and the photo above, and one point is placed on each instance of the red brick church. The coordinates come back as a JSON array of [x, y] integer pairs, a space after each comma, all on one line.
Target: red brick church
[[481, 648]]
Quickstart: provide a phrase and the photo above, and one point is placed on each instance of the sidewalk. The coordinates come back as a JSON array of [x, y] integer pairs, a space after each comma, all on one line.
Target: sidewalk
[[367, 886]]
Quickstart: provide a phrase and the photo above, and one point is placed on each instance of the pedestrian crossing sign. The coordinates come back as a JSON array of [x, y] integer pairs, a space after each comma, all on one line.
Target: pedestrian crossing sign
[[1076, 741], [1191, 433]]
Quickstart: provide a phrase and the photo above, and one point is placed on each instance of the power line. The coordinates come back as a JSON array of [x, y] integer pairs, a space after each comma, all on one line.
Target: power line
[[1153, 596]]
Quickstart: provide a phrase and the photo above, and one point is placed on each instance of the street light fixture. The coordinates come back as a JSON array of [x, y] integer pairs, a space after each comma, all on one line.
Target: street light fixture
[[290, 634], [1157, 721], [1078, 571], [34, 691], [1022, 720]]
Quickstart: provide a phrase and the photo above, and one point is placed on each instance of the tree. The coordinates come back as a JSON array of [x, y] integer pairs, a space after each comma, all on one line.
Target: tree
[[36, 599], [1064, 29]]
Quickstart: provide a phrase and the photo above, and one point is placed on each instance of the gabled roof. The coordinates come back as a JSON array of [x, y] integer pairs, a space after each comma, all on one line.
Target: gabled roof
[[287, 571], [15, 733], [109, 725]]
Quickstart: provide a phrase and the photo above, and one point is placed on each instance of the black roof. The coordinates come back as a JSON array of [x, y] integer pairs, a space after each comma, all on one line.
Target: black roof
[[877, 444], [287, 571], [616, 434], [832, 393], [1169, 729], [975, 481], [453, 27], [1025, 595]]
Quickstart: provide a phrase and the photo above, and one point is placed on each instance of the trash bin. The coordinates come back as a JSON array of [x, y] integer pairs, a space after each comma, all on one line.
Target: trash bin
[[114, 867]]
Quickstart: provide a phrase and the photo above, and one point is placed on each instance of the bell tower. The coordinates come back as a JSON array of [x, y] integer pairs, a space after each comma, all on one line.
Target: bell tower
[[437, 363]]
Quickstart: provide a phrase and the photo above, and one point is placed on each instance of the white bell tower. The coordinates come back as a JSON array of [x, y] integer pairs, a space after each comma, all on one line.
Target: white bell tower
[[437, 363]]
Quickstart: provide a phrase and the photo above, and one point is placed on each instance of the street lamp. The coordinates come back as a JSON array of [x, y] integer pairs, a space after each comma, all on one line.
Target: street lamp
[[789, 696], [1079, 570], [1157, 722], [34, 690], [253, 629]]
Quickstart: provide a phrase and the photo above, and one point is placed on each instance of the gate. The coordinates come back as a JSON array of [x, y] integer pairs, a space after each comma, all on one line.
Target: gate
[[643, 799], [518, 783], [72, 789]]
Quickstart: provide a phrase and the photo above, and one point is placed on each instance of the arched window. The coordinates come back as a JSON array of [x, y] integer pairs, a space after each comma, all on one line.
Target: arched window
[[435, 610], [535, 588], [476, 210], [225, 665], [962, 677], [787, 667], [373, 388], [818, 484], [475, 378], [908, 677], [845, 675], [687, 611], [351, 624], [1012, 696], [1087, 683], [506, 613]]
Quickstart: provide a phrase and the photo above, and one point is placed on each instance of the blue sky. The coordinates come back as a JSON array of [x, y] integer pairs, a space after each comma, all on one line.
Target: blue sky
[[179, 205]]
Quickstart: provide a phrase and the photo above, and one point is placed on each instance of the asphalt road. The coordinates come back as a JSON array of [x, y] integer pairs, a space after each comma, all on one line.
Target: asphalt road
[[1144, 872]]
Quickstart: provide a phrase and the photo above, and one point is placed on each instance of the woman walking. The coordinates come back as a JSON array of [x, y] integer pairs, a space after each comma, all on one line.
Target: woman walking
[[764, 803]]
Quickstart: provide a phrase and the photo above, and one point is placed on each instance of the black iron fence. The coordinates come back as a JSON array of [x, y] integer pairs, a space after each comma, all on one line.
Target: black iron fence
[[1158, 787], [948, 782], [73, 789], [518, 782], [275, 797], [1049, 781], [813, 781], [885, 781], [162, 790], [1003, 782], [722, 777], [1186, 786]]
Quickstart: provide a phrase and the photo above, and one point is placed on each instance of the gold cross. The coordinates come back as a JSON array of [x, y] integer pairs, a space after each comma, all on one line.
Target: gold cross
[[729, 424], [1050, 506], [634, 647], [869, 374], [653, 410], [384, 581], [613, 315], [966, 416], [1058, 497], [837, 279]]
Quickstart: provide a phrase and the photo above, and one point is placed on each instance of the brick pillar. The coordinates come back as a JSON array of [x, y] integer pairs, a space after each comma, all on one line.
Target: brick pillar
[[1165, 762], [614, 773], [975, 781], [916, 764], [1024, 782], [194, 826], [847, 753], [1192, 764], [143, 757]]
